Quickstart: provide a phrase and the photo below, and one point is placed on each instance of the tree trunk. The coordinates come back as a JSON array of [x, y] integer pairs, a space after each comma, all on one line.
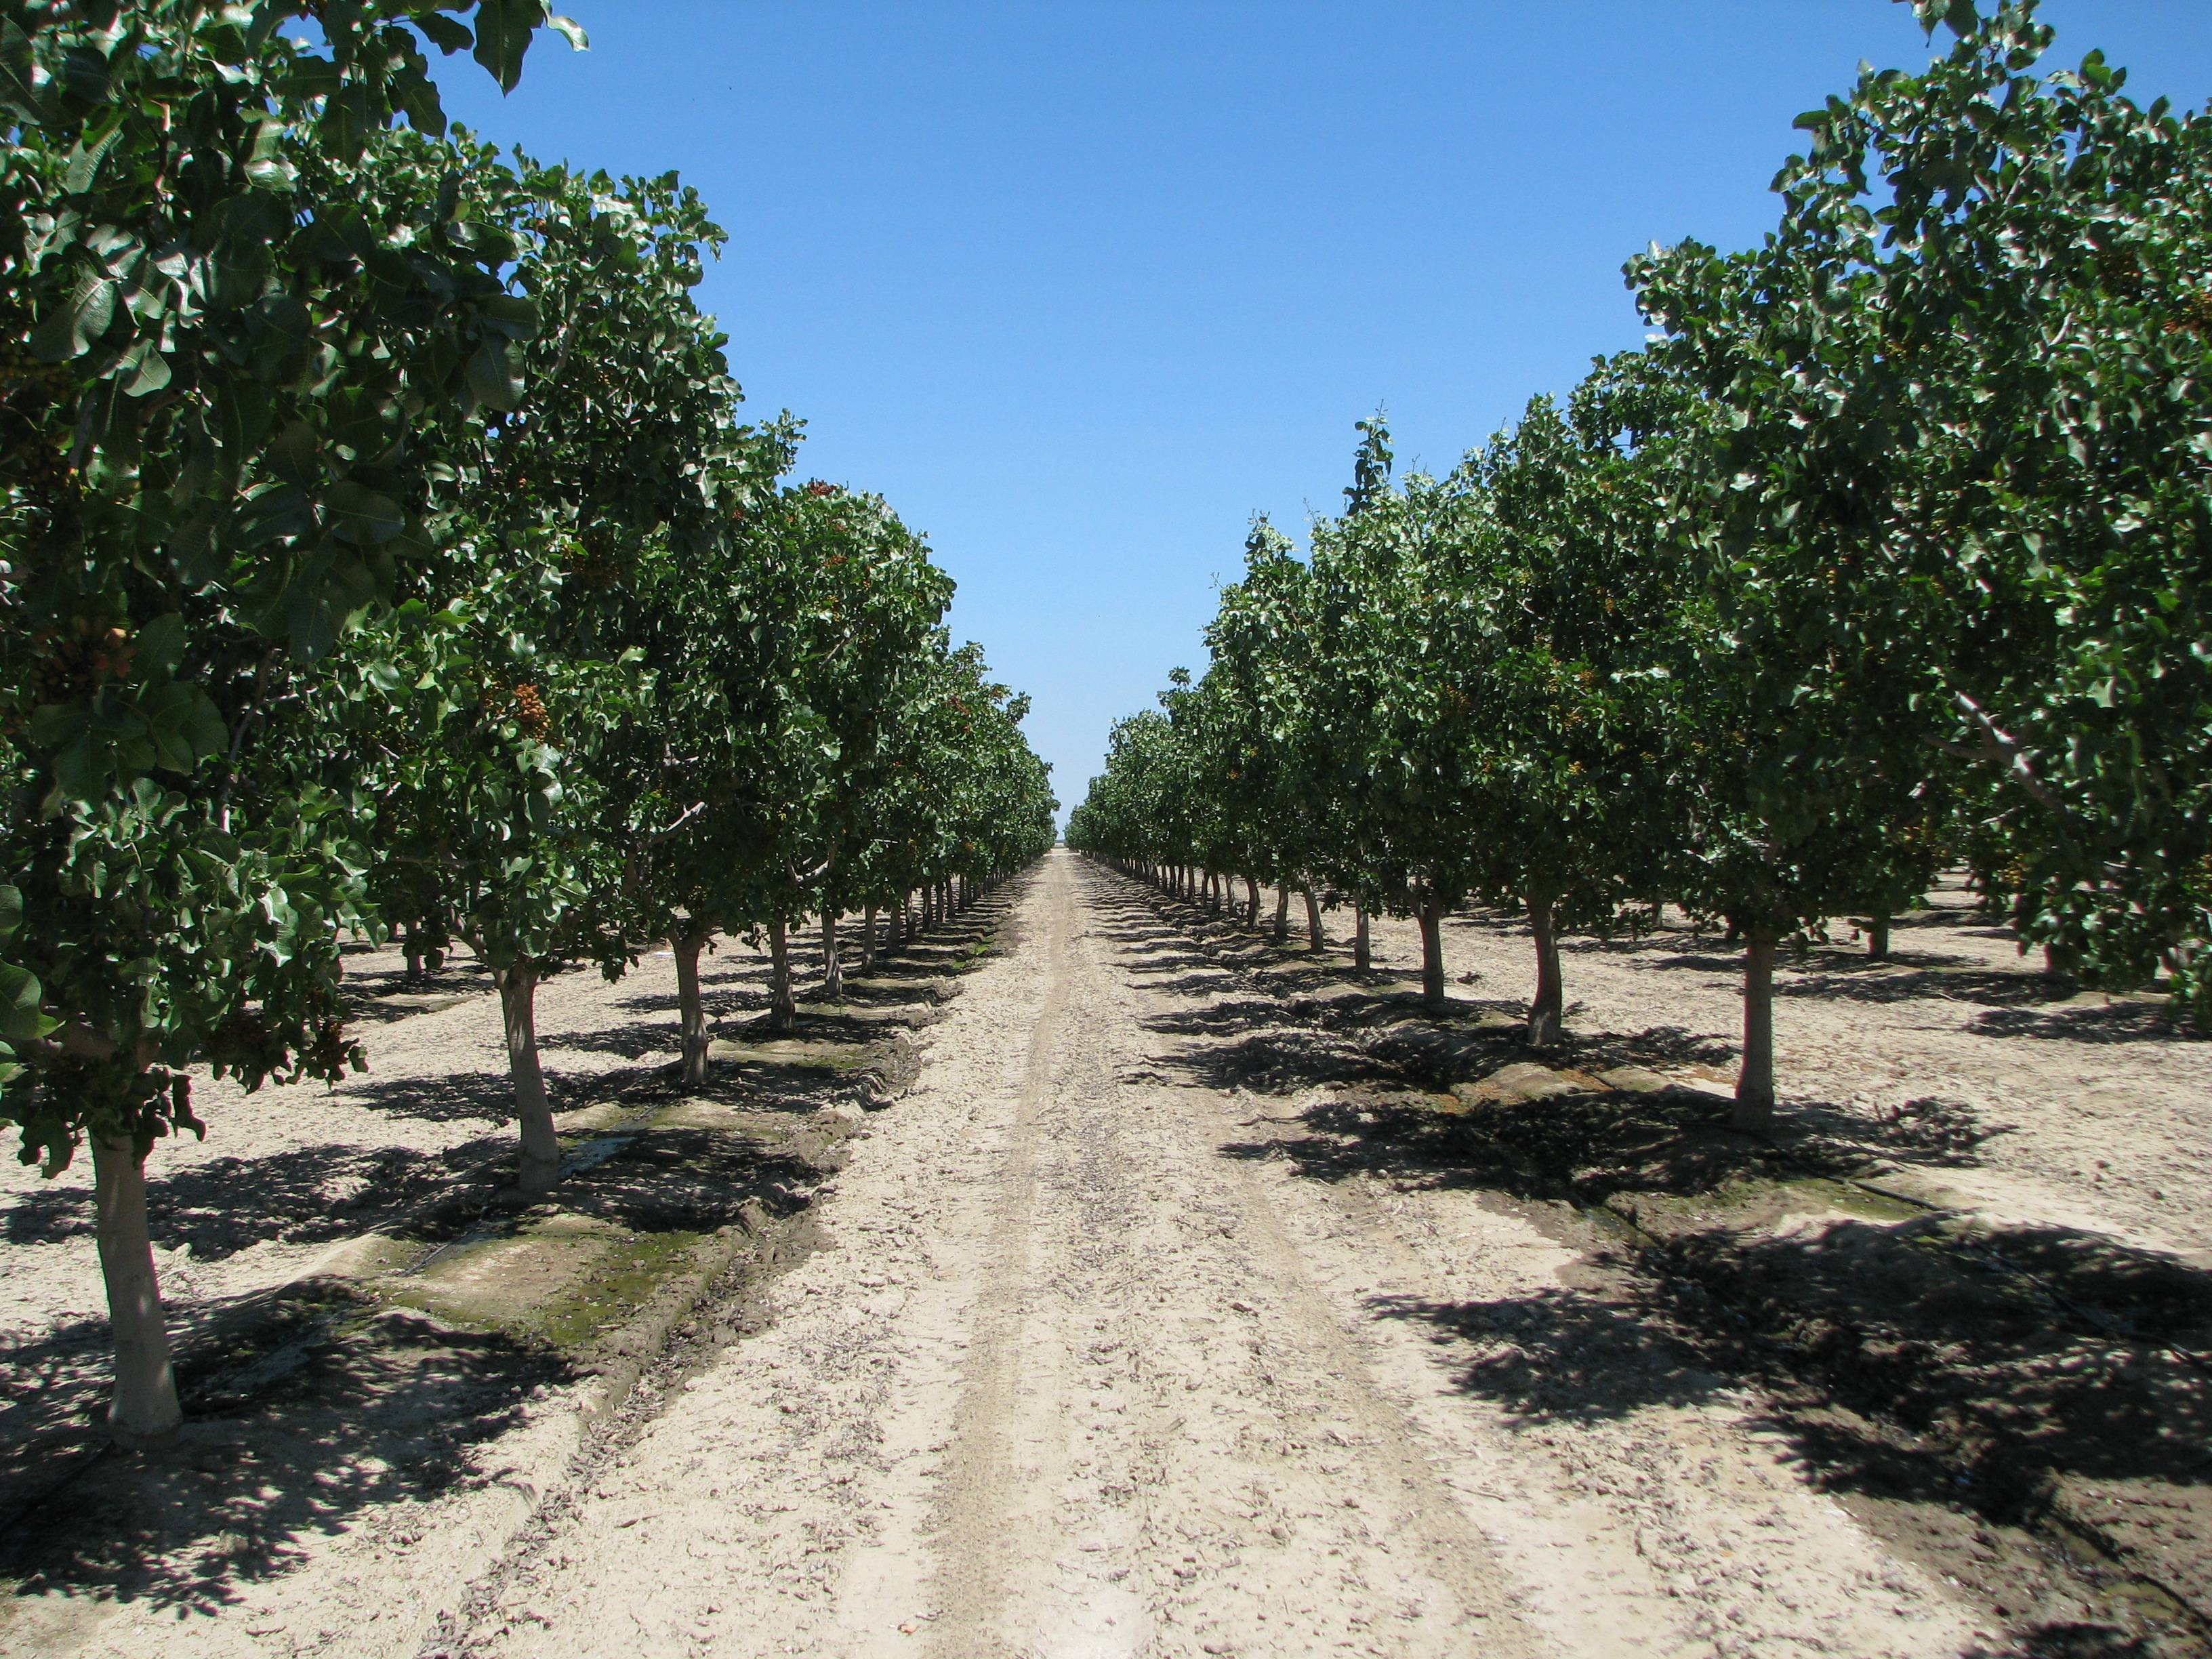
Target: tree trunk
[[782, 1015], [690, 1009], [413, 952], [1313, 940], [540, 1164], [1878, 937], [1282, 914], [1754, 1087], [1545, 1010], [868, 942], [1432, 952], [833, 964], [1251, 904], [142, 1413], [1362, 957]]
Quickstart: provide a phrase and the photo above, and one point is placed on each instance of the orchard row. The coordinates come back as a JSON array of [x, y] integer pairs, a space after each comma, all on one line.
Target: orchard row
[[383, 552], [1889, 550]]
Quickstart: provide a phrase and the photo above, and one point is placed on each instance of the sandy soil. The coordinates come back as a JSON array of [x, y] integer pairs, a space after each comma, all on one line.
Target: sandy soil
[[1097, 1357], [2081, 1109]]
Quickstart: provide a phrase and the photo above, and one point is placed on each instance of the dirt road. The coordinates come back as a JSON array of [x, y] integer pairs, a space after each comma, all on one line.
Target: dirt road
[[1079, 1375], [1179, 1310]]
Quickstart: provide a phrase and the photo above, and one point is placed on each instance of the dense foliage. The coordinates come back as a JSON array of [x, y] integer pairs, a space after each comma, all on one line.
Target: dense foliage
[[381, 549], [1889, 551]]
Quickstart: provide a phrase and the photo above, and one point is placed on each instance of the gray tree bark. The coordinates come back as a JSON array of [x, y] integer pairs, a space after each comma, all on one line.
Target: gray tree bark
[[1432, 952], [1755, 1086], [143, 1412], [782, 1012], [1546, 1008], [540, 1164], [833, 962], [691, 1009]]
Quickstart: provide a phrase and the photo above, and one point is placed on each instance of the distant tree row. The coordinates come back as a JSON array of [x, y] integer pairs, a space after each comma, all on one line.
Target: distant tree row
[[381, 550], [1891, 550]]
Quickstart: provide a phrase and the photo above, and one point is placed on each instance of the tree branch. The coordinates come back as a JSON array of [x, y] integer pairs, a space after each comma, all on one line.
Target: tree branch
[[2015, 757]]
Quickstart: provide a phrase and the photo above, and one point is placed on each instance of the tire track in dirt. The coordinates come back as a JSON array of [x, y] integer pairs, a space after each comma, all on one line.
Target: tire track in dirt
[[1651, 1509], [977, 1548], [1165, 1443], [1083, 1371]]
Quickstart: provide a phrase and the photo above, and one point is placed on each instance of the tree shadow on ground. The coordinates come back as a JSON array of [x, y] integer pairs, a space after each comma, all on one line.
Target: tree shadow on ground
[[2128, 1021], [48, 1212], [1900, 980], [303, 1195], [1167, 962], [1205, 981], [1730, 964], [716, 1003], [453, 1097], [371, 1416], [2002, 1374], [2026, 1372], [633, 1041], [667, 1180], [1981, 1378], [1558, 1355], [1582, 1149]]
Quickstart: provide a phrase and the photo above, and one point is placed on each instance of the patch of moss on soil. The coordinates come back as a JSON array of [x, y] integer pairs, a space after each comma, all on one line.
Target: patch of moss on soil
[[624, 1277]]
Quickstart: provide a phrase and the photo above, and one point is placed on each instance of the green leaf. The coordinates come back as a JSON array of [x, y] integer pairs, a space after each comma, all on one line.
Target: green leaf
[[358, 515], [84, 75], [503, 28], [160, 645], [84, 164], [11, 910], [447, 36], [68, 329], [151, 372], [492, 376], [183, 724], [295, 455], [81, 771], [511, 315], [56, 723], [570, 30], [20, 996], [16, 91]]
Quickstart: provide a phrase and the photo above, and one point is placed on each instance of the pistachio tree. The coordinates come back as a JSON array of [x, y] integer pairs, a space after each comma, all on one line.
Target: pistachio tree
[[1958, 484], [228, 323], [525, 656], [1553, 609]]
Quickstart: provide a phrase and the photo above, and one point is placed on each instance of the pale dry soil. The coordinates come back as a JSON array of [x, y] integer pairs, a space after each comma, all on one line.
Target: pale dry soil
[[2084, 1109], [1085, 1364]]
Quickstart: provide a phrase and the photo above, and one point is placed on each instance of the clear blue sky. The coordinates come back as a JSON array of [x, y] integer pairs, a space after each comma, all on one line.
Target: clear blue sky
[[1080, 288]]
